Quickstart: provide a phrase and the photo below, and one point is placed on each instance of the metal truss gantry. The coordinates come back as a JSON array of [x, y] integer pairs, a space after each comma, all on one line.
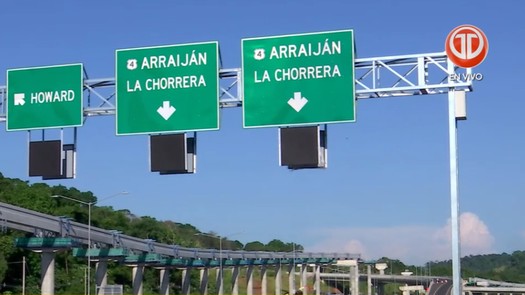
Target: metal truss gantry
[[376, 77]]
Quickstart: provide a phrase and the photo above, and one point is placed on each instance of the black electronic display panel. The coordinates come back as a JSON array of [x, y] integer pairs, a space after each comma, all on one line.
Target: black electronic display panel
[[45, 158], [168, 152], [300, 147]]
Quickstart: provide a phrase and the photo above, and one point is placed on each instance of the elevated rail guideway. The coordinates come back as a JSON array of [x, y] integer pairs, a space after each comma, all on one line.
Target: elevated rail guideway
[[27, 220]]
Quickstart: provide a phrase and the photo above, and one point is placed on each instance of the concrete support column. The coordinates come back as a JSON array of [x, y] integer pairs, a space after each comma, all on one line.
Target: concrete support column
[[249, 278], [304, 280], [380, 289], [235, 280], [47, 272], [101, 276], [164, 281], [317, 277], [278, 280], [138, 275], [291, 279], [220, 284], [353, 285], [369, 278], [356, 279], [264, 280], [186, 281], [204, 281]]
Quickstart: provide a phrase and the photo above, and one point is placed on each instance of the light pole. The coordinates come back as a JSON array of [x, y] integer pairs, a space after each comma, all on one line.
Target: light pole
[[292, 291], [220, 251], [89, 204]]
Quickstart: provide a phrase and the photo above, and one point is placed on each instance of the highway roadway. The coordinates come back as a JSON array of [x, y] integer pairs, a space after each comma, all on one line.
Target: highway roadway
[[441, 288]]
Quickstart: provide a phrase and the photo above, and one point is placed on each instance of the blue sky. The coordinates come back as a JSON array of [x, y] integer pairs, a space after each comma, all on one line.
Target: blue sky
[[387, 181]]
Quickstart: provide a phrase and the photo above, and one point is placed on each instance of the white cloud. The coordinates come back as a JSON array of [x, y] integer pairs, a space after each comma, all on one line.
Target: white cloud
[[411, 244]]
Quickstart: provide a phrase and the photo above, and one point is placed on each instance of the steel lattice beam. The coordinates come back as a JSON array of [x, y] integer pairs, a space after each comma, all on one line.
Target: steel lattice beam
[[376, 77]]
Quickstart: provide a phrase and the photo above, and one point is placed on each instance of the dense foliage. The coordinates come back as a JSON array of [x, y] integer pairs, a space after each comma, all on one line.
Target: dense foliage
[[70, 273]]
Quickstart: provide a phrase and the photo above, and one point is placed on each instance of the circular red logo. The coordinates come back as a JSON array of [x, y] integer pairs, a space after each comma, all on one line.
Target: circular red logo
[[467, 46]]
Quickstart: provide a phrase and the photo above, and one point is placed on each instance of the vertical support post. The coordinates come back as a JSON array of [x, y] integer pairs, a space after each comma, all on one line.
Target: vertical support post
[[186, 281], [164, 281], [219, 282], [24, 275], [101, 274], [249, 278], [278, 279], [138, 279], [89, 250], [304, 281], [235, 280], [291, 277], [369, 278], [454, 188], [356, 278], [317, 279], [264, 280], [204, 281], [48, 272]]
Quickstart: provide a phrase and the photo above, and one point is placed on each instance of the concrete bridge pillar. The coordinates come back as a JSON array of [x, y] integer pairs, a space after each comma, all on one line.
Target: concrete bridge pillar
[[186, 281], [380, 289], [264, 280], [291, 278], [369, 279], [48, 271], [204, 281], [278, 280], [164, 281], [220, 283], [249, 278], [138, 278], [235, 280], [101, 275], [304, 281], [317, 278], [354, 279]]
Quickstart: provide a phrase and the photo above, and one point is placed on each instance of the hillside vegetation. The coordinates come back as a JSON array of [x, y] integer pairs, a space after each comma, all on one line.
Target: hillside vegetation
[[70, 272]]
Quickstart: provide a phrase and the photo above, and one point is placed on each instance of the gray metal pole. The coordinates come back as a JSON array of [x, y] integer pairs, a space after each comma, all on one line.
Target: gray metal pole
[[454, 189], [221, 288], [292, 289], [23, 275], [89, 252]]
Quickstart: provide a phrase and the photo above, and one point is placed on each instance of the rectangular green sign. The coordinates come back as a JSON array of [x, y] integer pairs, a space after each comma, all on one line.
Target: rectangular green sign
[[173, 88], [298, 79], [45, 97]]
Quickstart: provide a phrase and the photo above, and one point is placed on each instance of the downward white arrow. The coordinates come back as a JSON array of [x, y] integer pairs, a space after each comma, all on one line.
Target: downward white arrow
[[297, 102], [166, 110]]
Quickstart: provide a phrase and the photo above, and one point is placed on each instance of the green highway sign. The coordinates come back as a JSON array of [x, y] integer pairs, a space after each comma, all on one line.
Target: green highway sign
[[45, 97], [173, 88], [298, 79]]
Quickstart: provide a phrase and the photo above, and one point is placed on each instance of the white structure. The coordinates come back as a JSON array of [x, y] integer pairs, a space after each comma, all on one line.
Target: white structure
[[381, 267]]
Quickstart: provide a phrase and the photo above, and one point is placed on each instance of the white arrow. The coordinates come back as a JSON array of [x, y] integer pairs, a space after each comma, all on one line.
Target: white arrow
[[19, 99], [297, 102], [166, 110]]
